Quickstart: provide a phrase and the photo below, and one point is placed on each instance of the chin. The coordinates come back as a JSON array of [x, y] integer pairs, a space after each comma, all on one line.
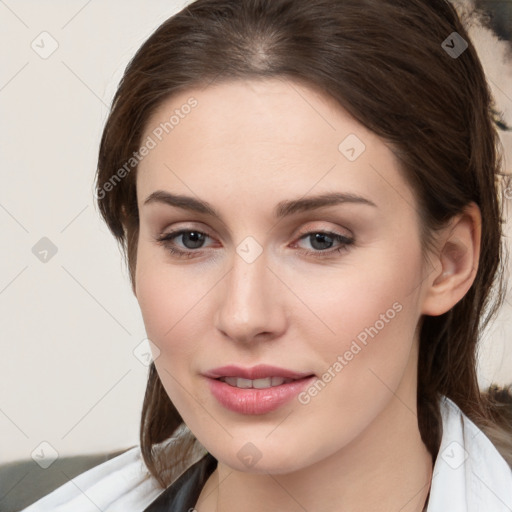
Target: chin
[[262, 456]]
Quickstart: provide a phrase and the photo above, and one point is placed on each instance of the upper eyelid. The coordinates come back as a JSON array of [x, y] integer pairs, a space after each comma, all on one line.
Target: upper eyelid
[[300, 231]]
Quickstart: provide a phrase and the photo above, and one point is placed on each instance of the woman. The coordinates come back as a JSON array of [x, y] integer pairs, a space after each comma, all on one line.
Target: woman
[[307, 193]]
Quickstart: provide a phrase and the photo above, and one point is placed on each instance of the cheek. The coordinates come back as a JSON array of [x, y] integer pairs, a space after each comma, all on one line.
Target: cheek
[[364, 300], [366, 361], [372, 315], [163, 297], [170, 316], [156, 304]]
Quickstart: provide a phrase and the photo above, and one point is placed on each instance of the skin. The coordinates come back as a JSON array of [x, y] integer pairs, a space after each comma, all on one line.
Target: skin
[[247, 146]]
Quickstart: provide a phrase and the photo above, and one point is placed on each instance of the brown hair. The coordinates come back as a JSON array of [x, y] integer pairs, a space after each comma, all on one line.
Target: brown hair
[[383, 61]]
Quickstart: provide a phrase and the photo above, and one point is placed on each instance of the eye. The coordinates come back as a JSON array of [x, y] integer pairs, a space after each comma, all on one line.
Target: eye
[[321, 241], [192, 239]]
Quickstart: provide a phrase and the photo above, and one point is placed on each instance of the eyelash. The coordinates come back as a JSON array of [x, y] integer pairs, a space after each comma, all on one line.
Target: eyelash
[[166, 240]]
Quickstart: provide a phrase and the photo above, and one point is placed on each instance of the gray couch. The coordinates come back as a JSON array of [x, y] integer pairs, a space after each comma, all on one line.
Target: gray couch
[[24, 482]]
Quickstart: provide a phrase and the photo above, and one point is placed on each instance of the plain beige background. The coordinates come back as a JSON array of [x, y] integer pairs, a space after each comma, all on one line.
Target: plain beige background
[[72, 371]]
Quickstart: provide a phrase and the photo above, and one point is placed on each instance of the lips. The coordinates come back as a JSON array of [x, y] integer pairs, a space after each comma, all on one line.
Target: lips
[[257, 390]]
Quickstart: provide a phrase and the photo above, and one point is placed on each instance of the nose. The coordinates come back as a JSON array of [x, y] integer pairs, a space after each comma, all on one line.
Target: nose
[[250, 302]]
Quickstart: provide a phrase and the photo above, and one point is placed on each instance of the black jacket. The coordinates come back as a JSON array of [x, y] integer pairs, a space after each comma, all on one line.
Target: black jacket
[[182, 494]]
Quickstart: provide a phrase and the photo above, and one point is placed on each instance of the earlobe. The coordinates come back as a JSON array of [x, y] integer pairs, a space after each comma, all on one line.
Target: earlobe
[[457, 262]]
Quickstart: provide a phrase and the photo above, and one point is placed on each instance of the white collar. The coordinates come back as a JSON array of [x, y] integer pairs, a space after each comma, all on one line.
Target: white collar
[[469, 473]]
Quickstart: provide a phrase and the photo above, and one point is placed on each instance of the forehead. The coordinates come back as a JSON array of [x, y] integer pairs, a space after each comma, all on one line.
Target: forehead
[[260, 136], [274, 110]]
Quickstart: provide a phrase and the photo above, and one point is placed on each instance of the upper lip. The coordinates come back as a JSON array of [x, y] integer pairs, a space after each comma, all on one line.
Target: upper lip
[[260, 371]]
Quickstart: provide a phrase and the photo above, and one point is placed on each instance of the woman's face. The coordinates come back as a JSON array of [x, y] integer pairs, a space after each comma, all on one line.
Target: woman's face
[[329, 293]]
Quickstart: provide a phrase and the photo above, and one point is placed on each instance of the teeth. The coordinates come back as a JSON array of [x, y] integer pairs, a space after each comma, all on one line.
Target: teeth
[[268, 382], [242, 383]]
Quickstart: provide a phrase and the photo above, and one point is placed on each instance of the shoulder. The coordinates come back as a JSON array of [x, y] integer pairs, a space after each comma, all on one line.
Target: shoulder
[[119, 484], [469, 472]]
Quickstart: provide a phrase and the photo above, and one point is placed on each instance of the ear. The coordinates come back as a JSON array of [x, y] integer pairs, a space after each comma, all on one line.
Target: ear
[[455, 262]]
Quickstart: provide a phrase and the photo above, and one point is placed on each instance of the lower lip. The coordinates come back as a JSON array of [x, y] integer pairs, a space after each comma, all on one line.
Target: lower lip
[[256, 401]]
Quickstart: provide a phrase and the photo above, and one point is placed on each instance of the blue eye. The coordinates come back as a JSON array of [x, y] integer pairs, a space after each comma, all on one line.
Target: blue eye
[[192, 240], [321, 238], [167, 240]]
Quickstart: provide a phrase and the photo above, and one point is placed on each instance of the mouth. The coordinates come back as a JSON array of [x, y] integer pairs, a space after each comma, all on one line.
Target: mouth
[[268, 382], [257, 390], [260, 376]]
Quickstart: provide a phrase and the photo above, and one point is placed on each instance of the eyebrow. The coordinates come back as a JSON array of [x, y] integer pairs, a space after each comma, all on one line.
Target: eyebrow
[[282, 209]]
